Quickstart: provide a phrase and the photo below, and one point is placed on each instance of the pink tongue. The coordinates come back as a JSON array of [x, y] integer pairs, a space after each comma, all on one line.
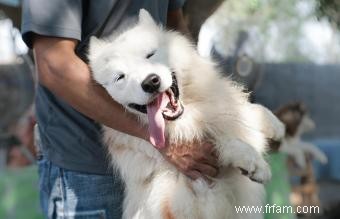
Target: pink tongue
[[156, 120]]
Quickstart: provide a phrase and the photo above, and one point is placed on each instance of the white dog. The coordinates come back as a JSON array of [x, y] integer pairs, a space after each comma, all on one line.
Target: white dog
[[158, 76]]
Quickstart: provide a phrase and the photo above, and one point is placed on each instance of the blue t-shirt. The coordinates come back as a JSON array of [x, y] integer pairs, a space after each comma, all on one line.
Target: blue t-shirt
[[70, 139]]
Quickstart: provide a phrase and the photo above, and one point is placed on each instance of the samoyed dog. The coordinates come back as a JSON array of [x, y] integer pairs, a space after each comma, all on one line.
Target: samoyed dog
[[181, 97]]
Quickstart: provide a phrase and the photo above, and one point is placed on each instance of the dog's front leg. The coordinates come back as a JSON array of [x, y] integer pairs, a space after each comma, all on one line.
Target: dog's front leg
[[270, 125], [244, 157]]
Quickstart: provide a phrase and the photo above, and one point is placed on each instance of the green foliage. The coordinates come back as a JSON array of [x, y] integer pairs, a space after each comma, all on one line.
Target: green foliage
[[329, 9], [275, 22], [278, 31], [19, 196]]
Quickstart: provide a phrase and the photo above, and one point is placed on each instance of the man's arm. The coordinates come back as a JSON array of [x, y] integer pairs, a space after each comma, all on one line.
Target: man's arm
[[67, 76]]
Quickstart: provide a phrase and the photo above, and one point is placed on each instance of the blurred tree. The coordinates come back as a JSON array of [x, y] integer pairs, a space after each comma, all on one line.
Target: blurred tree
[[277, 31], [329, 9]]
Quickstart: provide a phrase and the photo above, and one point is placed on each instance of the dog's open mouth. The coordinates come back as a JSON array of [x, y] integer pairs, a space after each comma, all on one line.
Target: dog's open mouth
[[173, 109], [164, 106]]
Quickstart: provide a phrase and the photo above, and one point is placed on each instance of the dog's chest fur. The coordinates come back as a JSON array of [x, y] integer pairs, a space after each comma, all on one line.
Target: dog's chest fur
[[218, 117]]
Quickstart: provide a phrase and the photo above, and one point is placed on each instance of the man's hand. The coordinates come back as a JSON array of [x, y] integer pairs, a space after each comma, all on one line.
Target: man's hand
[[195, 160]]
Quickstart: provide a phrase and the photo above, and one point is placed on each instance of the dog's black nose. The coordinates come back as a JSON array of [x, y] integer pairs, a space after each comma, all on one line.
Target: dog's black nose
[[151, 83]]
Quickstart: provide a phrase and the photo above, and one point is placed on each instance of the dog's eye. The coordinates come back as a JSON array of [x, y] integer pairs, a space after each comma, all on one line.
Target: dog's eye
[[119, 77], [150, 54]]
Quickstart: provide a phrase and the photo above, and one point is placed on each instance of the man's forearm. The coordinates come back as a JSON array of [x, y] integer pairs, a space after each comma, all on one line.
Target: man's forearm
[[69, 78]]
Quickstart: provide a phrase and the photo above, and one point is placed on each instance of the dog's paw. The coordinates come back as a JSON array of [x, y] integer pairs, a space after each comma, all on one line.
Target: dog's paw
[[271, 126], [256, 169], [279, 130], [243, 156]]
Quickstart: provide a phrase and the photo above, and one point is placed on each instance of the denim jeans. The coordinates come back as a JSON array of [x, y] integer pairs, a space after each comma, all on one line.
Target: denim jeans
[[66, 194]]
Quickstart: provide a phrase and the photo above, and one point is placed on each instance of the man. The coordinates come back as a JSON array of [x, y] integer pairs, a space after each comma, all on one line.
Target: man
[[75, 177]]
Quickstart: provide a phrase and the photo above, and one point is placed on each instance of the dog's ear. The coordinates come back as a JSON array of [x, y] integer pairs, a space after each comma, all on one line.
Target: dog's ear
[[145, 17]]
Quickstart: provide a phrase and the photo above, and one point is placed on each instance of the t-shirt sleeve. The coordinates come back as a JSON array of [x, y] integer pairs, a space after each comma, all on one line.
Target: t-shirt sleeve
[[175, 4], [57, 18]]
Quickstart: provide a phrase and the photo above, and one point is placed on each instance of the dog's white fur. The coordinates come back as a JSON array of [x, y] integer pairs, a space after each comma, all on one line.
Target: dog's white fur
[[214, 107]]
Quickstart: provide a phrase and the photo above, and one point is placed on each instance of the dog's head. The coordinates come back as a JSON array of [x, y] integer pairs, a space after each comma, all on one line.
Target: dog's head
[[296, 119], [134, 70]]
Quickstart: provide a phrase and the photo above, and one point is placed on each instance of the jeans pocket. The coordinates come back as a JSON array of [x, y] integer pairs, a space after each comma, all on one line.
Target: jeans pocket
[[93, 214]]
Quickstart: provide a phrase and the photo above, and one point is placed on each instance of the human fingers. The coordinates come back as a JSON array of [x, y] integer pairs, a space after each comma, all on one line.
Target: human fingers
[[206, 155], [206, 170], [194, 174], [187, 166]]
